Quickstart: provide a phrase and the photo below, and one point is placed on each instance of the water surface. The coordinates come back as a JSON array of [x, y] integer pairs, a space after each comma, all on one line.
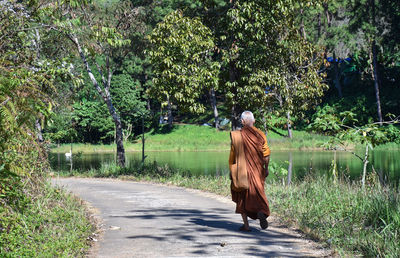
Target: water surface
[[216, 163]]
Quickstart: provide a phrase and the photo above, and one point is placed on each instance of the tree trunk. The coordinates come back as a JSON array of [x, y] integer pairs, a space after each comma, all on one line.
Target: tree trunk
[[39, 130], [107, 99], [334, 168], [235, 119], [365, 163], [119, 138], [128, 132], [376, 81], [336, 71], [318, 28], [327, 14], [289, 125], [214, 107], [170, 117], [302, 29], [143, 141], [71, 161], [264, 120], [375, 65], [290, 169]]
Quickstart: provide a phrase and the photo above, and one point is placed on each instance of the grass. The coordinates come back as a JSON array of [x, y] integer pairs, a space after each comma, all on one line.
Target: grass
[[352, 220], [391, 146], [52, 224], [199, 138]]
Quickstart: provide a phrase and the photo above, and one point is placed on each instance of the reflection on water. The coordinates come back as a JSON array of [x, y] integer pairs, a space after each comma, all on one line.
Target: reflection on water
[[216, 163]]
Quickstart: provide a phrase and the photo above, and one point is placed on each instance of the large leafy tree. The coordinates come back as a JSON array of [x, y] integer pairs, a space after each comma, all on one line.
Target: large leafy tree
[[181, 54], [270, 60]]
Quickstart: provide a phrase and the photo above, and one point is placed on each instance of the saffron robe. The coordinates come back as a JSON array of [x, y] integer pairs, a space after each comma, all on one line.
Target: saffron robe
[[252, 200]]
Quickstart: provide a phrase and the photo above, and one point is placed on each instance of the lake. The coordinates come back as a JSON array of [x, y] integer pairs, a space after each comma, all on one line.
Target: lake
[[216, 163]]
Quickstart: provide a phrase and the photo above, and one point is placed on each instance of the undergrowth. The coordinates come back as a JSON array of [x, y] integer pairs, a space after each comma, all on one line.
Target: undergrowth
[[50, 224]]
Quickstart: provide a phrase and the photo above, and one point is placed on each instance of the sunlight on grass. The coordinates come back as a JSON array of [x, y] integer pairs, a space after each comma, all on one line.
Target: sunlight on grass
[[198, 138]]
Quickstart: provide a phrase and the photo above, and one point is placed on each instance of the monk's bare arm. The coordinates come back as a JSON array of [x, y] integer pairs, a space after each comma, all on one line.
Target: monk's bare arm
[[266, 162]]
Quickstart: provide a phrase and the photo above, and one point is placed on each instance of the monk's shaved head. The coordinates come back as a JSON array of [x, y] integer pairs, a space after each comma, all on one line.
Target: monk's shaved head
[[247, 118]]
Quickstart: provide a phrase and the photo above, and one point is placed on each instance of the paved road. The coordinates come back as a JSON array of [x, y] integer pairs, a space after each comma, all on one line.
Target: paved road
[[150, 220]]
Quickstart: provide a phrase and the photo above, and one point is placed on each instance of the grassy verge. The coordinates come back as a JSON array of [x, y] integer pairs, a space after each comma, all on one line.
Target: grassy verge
[[199, 138], [352, 220], [50, 224]]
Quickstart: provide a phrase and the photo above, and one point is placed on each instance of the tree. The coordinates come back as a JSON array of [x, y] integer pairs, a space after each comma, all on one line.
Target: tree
[[181, 51], [273, 62], [96, 38]]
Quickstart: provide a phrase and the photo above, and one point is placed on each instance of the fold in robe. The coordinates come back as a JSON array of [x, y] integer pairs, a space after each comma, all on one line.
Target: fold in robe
[[253, 200]]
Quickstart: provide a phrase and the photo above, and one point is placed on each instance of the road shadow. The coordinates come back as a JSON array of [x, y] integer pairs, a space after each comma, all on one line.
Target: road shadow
[[216, 228]]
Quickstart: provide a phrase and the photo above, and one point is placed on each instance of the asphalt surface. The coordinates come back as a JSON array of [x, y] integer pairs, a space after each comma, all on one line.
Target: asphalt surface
[[151, 220]]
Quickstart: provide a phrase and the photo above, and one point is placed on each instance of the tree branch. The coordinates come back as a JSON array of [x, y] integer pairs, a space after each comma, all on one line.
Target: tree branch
[[101, 73], [74, 39], [5, 102], [352, 152]]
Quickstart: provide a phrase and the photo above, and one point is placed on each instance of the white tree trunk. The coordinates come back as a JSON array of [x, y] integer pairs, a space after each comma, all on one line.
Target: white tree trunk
[[107, 99]]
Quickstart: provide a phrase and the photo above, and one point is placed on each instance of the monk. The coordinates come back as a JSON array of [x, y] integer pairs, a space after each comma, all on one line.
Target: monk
[[249, 147]]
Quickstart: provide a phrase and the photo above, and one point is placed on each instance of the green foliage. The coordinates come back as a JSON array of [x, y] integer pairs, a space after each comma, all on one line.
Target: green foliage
[[181, 51], [127, 97], [348, 111], [93, 124], [53, 223], [60, 127], [347, 217], [27, 221], [278, 68], [279, 171], [326, 121]]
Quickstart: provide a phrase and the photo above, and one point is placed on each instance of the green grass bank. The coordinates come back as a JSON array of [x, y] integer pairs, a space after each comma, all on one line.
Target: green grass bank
[[351, 220], [51, 223], [198, 138]]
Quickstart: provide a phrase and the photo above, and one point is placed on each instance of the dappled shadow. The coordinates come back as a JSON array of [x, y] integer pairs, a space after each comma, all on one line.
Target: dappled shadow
[[208, 230]]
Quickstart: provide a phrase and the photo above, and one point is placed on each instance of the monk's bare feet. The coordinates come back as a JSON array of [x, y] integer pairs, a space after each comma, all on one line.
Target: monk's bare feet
[[263, 220], [244, 228]]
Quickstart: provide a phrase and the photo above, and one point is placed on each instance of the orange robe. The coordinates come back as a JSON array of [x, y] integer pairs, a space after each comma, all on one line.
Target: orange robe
[[256, 148]]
